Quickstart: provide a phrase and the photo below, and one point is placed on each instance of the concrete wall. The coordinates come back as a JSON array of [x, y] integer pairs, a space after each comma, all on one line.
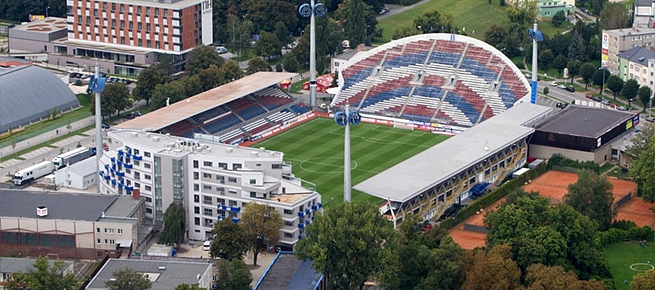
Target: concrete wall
[[545, 152]]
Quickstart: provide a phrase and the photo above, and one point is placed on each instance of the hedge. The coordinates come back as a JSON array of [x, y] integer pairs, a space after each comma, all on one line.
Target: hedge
[[616, 235], [494, 196]]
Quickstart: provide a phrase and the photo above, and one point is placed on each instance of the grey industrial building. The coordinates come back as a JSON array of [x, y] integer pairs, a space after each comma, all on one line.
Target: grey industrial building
[[164, 275]]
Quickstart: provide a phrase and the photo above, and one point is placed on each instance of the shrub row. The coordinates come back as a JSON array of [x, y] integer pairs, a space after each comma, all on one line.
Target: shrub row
[[616, 235], [560, 160], [494, 196]]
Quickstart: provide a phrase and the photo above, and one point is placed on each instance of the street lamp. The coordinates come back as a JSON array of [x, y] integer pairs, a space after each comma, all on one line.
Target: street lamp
[[46, 11], [602, 86], [366, 41]]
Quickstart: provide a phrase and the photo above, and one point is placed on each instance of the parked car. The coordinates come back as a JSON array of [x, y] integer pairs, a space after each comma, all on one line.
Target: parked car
[[553, 83], [384, 10], [105, 126], [221, 49], [605, 102], [570, 89], [589, 96], [650, 119], [561, 105], [207, 245], [563, 87], [596, 99], [621, 108]]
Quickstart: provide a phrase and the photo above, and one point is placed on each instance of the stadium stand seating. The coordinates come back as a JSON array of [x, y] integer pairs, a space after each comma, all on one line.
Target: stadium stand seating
[[300, 109], [209, 114], [222, 124], [432, 78], [180, 128], [272, 98]]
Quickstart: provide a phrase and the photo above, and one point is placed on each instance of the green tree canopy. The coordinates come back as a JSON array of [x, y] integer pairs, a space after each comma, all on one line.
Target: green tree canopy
[[434, 21], [43, 276], [268, 45], [615, 84], [256, 64], [600, 77], [541, 277], [592, 196], [349, 243], [576, 47], [574, 68], [233, 275], [587, 71], [614, 16], [147, 80], [644, 95], [282, 33], [495, 34], [261, 225], [643, 281], [290, 63], [202, 57], [630, 89], [172, 92], [174, 225], [127, 279], [545, 59], [559, 63], [493, 270], [185, 286], [641, 157], [356, 15], [230, 240], [558, 18]]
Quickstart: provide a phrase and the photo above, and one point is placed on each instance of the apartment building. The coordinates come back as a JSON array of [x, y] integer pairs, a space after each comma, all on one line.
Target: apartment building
[[636, 63], [619, 40], [214, 181]]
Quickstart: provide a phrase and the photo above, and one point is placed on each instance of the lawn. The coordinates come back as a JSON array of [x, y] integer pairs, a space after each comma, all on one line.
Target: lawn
[[620, 256], [315, 149], [466, 14]]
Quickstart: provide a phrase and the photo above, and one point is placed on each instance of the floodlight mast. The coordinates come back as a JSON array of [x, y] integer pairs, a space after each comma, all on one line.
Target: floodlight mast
[[99, 149], [536, 36], [347, 187]]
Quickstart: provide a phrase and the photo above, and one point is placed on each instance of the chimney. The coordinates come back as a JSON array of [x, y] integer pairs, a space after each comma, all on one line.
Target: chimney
[[136, 193], [41, 211]]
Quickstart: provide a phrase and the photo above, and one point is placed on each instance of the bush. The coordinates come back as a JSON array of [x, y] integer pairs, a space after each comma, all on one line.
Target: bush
[[278, 67], [519, 64], [560, 160], [616, 235], [291, 64], [546, 90]]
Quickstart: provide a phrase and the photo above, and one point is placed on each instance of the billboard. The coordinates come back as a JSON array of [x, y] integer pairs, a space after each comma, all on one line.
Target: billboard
[[605, 49]]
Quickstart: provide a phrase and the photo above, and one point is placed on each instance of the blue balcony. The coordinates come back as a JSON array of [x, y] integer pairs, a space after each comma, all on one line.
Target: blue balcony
[[128, 166], [299, 238], [120, 163], [301, 226], [113, 160], [307, 222], [128, 155], [138, 158], [129, 188], [106, 166], [120, 173], [120, 185], [320, 205], [301, 214], [314, 207], [235, 209], [113, 182], [120, 152], [235, 220], [307, 212], [107, 177]]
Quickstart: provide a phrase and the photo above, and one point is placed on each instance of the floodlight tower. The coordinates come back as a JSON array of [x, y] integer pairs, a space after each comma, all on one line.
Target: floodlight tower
[[345, 118], [536, 36], [96, 86], [311, 10]]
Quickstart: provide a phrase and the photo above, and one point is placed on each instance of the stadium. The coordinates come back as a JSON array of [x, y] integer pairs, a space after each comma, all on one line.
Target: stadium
[[434, 82]]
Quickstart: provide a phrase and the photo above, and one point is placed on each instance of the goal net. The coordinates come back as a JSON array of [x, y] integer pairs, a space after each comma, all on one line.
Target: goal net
[[401, 125]]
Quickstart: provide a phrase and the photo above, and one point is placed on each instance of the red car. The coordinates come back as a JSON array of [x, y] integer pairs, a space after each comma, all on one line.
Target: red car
[[427, 227], [589, 96]]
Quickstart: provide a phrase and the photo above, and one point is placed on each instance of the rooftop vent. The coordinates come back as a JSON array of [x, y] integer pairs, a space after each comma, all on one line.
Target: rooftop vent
[[161, 268], [155, 138], [41, 211], [135, 134]]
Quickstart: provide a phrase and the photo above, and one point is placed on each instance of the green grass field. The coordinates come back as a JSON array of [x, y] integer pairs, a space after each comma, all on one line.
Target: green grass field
[[620, 256], [474, 15], [315, 149]]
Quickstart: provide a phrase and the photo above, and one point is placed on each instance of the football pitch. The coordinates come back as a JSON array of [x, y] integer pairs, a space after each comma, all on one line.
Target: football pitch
[[315, 149]]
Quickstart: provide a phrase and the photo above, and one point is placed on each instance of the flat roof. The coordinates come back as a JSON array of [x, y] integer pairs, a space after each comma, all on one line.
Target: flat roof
[[15, 265], [166, 274], [45, 25], [584, 121], [432, 166], [289, 273], [61, 205], [199, 103]]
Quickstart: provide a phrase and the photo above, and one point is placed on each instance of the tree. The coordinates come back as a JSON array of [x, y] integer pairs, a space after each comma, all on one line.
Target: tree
[[230, 241], [587, 71], [54, 112], [256, 64], [348, 243], [545, 58], [117, 95], [282, 33], [405, 31], [202, 57], [211, 77], [559, 63], [615, 84], [261, 225], [43, 276], [558, 18], [643, 281], [546, 90], [290, 63], [355, 14], [522, 12], [167, 93], [268, 45], [614, 16], [127, 279], [265, 14], [630, 89], [541, 277], [574, 68], [174, 225], [641, 157], [231, 71], [185, 286], [478, 274], [147, 80], [644, 94], [592, 196], [495, 35], [575, 47], [233, 275], [600, 77], [434, 21]]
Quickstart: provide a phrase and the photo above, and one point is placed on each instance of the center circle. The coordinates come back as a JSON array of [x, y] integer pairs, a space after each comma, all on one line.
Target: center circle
[[325, 165]]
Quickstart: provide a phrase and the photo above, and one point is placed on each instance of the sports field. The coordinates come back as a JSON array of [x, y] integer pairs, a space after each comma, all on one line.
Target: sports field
[[628, 259], [315, 149]]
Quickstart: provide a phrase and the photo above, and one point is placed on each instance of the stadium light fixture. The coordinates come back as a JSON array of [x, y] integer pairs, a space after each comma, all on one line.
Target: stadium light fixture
[[346, 117], [536, 36], [97, 86], [310, 10]]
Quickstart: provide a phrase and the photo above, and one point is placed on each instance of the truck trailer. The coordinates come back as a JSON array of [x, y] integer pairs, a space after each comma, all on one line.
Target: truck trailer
[[72, 157], [33, 172]]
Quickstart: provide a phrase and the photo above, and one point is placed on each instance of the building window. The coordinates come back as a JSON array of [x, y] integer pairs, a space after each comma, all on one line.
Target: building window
[[288, 235], [97, 230], [113, 6], [138, 10], [222, 165], [111, 231], [98, 241], [253, 181], [206, 175], [206, 187], [146, 165], [288, 211], [147, 10], [147, 177], [196, 175], [148, 199], [288, 223], [196, 187], [140, 42], [137, 175], [120, 231], [232, 179], [156, 11], [196, 209], [148, 210], [253, 194], [165, 12], [236, 166], [148, 188], [207, 199], [146, 154], [139, 27], [207, 163], [195, 163], [196, 221], [196, 198], [122, 8], [208, 211], [220, 201], [276, 166]]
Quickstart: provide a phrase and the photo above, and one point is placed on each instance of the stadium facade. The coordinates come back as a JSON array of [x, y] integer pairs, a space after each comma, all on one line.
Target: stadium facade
[[214, 181]]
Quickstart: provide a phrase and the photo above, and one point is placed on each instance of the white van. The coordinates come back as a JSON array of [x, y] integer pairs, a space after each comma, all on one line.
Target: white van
[[206, 245]]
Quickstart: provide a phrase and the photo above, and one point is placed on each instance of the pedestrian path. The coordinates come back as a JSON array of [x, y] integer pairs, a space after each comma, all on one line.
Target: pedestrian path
[[69, 140], [10, 162]]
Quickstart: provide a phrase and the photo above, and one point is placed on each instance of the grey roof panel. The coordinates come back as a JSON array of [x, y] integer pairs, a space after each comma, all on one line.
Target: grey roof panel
[[28, 93], [430, 167], [287, 272], [61, 205], [174, 274], [15, 265], [584, 121]]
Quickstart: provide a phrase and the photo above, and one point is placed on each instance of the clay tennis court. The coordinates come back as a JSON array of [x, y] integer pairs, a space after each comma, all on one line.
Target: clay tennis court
[[554, 185], [638, 211]]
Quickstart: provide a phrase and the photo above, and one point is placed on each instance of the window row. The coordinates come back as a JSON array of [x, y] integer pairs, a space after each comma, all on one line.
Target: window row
[[35, 239]]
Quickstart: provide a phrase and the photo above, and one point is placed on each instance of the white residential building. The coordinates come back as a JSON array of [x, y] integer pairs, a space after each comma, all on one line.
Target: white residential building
[[213, 180]]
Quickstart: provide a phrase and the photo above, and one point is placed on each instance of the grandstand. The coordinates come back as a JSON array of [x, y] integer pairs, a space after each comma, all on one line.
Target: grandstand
[[449, 79], [435, 179], [235, 111]]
